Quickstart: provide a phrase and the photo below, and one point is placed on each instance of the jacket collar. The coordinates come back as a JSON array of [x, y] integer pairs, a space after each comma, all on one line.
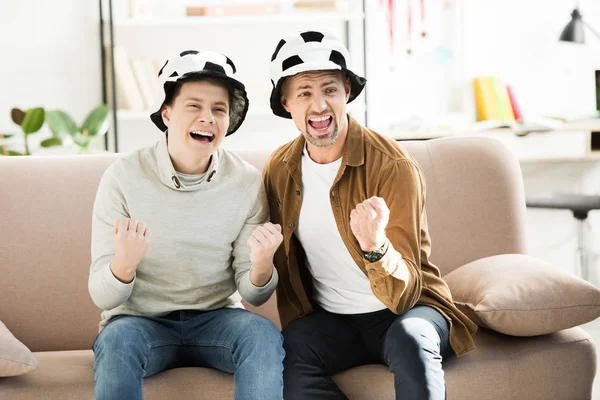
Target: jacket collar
[[168, 174], [354, 148]]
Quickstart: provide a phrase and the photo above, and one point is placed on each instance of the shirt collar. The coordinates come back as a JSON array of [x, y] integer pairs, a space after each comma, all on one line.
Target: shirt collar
[[168, 174], [354, 148]]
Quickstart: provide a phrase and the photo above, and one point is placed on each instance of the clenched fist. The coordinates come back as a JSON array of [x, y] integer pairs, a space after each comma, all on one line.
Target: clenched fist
[[263, 244], [368, 222], [130, 238]]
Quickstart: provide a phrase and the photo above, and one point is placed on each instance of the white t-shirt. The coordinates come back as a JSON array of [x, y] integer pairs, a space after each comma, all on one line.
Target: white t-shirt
[[339, 284]]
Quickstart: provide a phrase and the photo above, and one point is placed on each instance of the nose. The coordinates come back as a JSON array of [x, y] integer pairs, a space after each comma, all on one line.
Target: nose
[[205, 115], [318, 103]]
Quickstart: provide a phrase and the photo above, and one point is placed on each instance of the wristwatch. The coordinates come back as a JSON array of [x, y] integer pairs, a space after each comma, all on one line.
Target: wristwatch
[[377, 254]]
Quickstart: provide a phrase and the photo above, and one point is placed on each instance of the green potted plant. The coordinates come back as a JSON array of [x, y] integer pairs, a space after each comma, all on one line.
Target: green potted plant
[[65, 131], [30, 122]]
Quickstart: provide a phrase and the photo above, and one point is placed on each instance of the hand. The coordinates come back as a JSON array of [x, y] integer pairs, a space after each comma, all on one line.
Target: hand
[[368, 222], [264, 242], [130, 238]]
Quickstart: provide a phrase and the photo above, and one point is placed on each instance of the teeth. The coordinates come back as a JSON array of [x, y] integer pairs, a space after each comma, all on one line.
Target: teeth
[[319, 119], [201, 133]]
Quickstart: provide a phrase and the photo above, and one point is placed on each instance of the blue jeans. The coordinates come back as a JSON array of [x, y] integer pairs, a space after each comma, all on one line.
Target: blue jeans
[[322, 344], [236, 341]]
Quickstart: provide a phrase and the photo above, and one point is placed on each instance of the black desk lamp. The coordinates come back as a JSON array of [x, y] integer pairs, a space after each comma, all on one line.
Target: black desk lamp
[[573, 32]]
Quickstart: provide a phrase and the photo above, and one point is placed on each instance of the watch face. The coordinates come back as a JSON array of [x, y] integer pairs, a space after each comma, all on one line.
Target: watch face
[[377, 254], [373, 256]]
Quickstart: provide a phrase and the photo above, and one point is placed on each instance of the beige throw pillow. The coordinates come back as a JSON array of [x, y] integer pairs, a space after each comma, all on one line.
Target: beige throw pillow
[[520, 295], [15, 357]]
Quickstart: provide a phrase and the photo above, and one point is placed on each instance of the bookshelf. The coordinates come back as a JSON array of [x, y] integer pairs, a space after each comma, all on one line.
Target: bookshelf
[[142, 43]]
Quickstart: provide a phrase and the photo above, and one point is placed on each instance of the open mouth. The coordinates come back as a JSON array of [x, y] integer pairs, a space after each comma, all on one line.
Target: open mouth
[[202, 136], [321, 124]]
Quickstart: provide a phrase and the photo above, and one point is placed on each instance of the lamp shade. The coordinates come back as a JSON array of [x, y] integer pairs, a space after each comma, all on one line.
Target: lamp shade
[[573, 32]]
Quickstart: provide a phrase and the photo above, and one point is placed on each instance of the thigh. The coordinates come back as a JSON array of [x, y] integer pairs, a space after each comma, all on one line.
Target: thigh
[[422, 327], [325, 340], [217, 339], [152, 342]]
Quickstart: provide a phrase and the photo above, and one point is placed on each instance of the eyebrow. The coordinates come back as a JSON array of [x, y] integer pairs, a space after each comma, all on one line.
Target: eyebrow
[[309, 86], [218, 103]]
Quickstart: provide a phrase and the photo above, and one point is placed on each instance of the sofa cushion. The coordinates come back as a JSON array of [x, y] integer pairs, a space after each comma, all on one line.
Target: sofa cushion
[[556, 366], [522, 296], [15, 357]]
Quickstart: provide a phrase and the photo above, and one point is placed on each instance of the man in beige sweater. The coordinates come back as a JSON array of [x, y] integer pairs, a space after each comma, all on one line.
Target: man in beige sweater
[[179, 237]]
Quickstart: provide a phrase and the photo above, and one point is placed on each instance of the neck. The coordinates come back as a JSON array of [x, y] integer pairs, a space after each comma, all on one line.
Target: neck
[[327, 155], [186, 163]]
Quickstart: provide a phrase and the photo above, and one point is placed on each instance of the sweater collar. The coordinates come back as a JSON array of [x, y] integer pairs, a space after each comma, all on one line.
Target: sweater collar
[[168, 174]]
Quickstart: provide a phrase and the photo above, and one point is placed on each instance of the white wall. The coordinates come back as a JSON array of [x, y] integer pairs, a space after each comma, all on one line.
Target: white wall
[[50, 57]]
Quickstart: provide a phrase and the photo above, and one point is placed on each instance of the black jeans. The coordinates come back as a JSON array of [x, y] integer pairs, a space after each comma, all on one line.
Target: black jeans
[[321, 344]]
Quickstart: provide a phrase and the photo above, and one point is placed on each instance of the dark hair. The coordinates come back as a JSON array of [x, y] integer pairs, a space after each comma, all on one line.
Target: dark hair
[[173, 89]]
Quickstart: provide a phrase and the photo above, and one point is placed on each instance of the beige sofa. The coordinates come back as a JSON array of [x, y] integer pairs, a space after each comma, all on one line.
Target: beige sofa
[[476, 209]]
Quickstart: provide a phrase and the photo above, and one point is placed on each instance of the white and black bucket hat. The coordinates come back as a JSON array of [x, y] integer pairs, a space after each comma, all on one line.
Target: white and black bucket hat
[[309, 51], [206, 63]]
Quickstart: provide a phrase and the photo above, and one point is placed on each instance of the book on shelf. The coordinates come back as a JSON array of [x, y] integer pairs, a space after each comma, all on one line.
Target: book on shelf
[[492, 99], [126, 81], [146, 82], [222, 10], [501, 91], [121, 98], [136, 81], [485, 100], [322, 5], [513, 102]]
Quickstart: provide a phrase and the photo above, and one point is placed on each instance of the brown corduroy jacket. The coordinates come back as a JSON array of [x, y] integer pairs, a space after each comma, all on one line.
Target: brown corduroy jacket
[[372, 165]]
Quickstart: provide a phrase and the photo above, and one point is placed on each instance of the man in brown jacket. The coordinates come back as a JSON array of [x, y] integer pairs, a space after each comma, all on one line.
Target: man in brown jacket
[[355, 282]]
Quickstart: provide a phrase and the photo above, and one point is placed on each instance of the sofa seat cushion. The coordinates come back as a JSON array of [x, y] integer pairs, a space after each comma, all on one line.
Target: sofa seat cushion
[[557, 366], [69, 375]]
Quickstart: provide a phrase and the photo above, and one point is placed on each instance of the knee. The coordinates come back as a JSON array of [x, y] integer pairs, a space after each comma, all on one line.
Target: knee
[[294, 343], [119, 338], [263, 337], [262, 330], [412, 341]]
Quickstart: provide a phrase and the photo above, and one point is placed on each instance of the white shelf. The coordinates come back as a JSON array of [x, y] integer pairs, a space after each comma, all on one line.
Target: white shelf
[[133, 115], [251, 19]]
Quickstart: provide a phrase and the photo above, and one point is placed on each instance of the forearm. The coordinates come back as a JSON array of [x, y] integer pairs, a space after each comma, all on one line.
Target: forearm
[[124, 273], [396, 281], [106, 290], [401, 271], [259, 277], [253, 293]]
